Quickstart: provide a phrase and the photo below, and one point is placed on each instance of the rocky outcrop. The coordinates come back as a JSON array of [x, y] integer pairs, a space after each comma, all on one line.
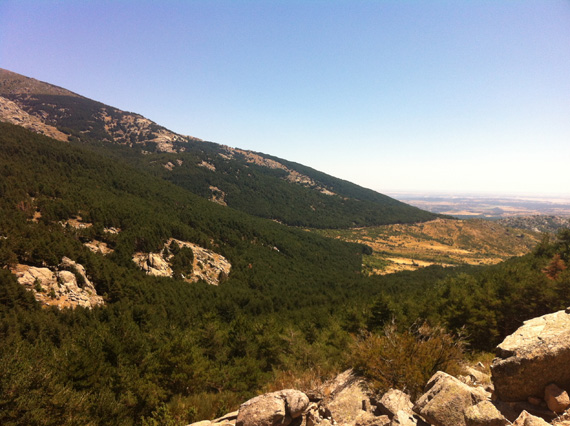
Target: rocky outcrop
[[226, 420], [533, 357], [66, 287], [530, 374], [293, 176], [475, 377], [153, 264], [207, 165], [29, 103], [346, 398], [97, 246], [484, 413], [395, 401], [218, 196], [75, 222], [264, 410], [529, 377], [10, 112], [208, 266], [340, 401]]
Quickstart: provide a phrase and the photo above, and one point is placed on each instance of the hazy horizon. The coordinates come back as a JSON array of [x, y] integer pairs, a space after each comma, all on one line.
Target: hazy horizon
[[498, 195]]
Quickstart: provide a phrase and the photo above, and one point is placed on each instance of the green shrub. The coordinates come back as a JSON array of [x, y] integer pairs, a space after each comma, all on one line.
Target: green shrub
[[38, 286], [405, 360], [161, 417]]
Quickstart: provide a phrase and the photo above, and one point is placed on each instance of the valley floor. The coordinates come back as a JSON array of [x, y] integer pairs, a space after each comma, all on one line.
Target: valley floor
[[445, 242]]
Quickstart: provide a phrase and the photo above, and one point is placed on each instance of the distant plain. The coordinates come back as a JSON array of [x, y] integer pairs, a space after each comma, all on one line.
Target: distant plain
[[487, 206]]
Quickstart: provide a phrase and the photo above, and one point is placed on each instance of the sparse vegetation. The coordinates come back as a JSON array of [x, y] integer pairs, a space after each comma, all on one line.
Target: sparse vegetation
[[38, 286]]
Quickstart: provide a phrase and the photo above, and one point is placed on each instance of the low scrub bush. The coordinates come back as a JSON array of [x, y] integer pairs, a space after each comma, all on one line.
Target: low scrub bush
[[405, 360]]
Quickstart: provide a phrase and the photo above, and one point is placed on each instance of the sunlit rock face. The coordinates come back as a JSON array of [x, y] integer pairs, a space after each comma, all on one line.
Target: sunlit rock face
[[207, 266], [534, 356], [65, 287]]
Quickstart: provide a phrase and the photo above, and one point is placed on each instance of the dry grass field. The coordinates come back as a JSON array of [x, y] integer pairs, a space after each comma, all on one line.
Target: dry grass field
[[446, 242]]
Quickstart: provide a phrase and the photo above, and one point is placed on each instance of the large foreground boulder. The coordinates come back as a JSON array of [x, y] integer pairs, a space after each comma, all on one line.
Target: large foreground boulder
[[533, 357]]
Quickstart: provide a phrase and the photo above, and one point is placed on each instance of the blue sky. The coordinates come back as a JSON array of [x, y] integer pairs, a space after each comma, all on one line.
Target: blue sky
[[423, 96]]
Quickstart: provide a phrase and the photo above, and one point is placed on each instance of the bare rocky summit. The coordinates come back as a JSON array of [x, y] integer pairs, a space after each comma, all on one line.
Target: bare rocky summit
[[47, 109]]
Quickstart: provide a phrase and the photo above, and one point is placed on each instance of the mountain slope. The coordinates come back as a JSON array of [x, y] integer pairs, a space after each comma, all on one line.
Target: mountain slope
[[163, 348], [156, 339], [57, 196], [256, 183]]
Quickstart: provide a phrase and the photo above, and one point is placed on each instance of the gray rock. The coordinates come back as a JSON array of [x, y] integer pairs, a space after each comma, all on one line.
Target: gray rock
[[271, 409], [346, 400], [446, 400], [403, 418], [484, 414], [537, 354], [526, 419], [393, 401], [477, 377], [296, 402], [369, 419], [263, 410], [556, 398], [226, 417]]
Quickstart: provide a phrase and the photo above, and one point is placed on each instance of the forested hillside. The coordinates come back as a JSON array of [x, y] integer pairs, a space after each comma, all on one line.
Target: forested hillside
[[255, 183], [292, 307], [156, 337]]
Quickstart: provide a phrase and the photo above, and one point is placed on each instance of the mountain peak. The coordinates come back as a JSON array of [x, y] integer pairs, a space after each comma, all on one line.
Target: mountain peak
[[80, 117], [14, 84]]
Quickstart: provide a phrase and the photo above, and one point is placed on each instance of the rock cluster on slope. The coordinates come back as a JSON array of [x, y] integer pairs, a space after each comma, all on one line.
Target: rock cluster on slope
[[208, 266], [66, 287], [293, 176], [10, 112]]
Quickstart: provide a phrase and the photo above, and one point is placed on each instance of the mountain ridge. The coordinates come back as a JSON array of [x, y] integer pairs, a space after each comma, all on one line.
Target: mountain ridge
[[256, 183]]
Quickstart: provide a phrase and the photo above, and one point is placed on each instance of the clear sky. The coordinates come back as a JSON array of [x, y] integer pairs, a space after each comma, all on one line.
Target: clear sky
[[432, 96]]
